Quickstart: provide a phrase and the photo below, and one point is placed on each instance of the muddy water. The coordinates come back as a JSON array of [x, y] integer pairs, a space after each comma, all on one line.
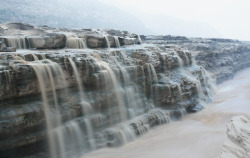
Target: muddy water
[[199, 135]]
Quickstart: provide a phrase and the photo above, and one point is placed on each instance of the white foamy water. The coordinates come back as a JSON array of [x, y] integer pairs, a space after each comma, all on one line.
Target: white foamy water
[[199, 135]]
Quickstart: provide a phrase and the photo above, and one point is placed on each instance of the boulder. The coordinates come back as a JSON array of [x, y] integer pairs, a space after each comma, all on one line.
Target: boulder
[[238, 143], [95, 41], [129, 41]]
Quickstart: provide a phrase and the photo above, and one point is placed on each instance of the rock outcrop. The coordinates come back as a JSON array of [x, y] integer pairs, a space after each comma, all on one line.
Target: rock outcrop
[[238, 143], [221, 57], [92, 98], [50, 41], [145, 86], [25, 36]]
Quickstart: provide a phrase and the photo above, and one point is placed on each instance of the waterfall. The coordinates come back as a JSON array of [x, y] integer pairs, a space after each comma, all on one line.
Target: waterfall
[[198, 85], [7, 76], [90, 133], [58, 119], [86, 105], [176, 90], [35, 57], [183, 55], [180, 62], [45, 77], [130, 91], [107, 41], [59, 72], [44, 74], [74, 136], [186, 57], [115, 81], [152, 73], [76, 43], [110, 75], [29, 46], [39, 73], [16, 42], [117, 42], [209, 84], [77, 134], [139, 39]]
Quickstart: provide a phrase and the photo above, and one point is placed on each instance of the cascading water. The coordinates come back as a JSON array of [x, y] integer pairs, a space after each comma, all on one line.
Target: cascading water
[[110, 75], [183, 54], [35, 57], [74, 135], [90, 132], [107, 41], [179, 61], [45, 77], [152, 69], [117, 42], [130, 91], [139, 39], [7, 76], [152, 76], [122, 96], [186, 57], [17, 42], [76, 43], [86, 105]]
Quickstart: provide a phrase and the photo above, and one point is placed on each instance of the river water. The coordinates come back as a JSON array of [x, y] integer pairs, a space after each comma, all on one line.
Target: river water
[[199, 135]]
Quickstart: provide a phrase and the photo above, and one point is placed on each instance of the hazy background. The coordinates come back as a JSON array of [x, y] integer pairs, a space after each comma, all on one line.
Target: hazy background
[[193, 18]]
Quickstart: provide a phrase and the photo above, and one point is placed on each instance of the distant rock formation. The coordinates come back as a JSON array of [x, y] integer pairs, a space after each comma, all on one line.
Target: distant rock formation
[[222, 57]]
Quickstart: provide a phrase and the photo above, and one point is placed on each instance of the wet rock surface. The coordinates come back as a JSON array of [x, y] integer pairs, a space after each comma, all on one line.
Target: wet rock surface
[[223, 60], [149, 78], [222, 57], [238, 143], [99, 97], [25, 36]]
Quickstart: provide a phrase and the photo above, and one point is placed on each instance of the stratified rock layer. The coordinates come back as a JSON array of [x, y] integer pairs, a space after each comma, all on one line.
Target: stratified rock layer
[[103, 96], [223, 60], [147, 77], [222, 57]]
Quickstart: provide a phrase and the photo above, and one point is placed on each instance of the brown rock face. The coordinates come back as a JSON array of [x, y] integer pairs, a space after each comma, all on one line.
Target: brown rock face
[[119, 85], [85, 99]]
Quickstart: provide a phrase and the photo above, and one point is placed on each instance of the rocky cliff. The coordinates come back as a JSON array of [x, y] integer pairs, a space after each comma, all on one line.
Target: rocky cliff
[[80, 90], [222, 57]]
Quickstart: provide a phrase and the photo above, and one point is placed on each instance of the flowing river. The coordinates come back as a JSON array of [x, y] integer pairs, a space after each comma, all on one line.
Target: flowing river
[[199, 135]]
